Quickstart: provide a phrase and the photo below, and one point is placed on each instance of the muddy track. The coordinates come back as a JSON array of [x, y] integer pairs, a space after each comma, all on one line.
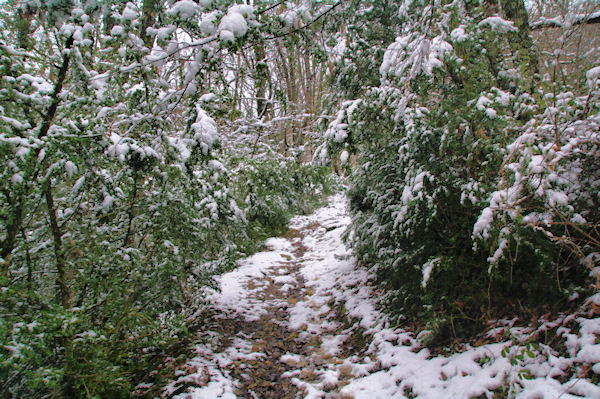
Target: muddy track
[[268, 376], [262, 377]]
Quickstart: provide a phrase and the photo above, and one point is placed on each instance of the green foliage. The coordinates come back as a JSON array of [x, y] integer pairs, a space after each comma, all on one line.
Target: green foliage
[[275, 190], [132, 302], [118, 203], [364, 30], [435, 143], [91, 351]]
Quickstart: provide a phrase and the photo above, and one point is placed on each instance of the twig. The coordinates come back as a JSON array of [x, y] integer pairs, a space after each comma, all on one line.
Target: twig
[[306, 25]]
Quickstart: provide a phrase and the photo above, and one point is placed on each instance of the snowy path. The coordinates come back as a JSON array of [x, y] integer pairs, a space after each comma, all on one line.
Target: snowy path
[[298, 321]]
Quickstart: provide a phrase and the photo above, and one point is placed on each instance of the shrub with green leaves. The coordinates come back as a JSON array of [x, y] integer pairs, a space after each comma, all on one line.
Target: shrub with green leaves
[[452, 146], [118, 204], [272, 191]]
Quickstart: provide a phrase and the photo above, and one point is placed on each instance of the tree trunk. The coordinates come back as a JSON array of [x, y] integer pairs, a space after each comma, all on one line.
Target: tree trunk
[[149, 11], [8, 245], [132, 213], [23, 26], [13, 227], [62, 76], [261, 79], [521, 43], [61, 266]]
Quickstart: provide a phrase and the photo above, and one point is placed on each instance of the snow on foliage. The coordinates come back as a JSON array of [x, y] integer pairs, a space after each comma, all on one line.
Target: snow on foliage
[[344, 157], [414, 53], [466, 161], [70, 168], [337, 128], [185, 9], [205, 130], [458, 35], [593, 78], [117, 30], [498, 24], [427, 269], [104, 143], [293, 18], [233, 25], [207, 23], [130, 13], [123, 148], [553, 169], [412, 190], [337, 132], [567, 21]]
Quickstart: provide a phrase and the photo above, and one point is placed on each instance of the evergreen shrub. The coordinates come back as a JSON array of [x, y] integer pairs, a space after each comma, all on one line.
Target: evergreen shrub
[[471, 175]]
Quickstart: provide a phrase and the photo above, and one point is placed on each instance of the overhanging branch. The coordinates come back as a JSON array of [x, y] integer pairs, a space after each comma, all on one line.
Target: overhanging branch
[[560, 22]]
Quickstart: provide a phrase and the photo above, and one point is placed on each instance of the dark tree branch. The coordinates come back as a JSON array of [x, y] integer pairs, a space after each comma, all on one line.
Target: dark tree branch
[[17, 218], [292, 31], [560, 23], [270, 7], [61, 266], [62, 75]]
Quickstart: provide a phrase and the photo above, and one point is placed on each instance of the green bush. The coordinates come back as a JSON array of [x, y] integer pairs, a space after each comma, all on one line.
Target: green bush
[[272, 191], [131, 300], [446, 145]]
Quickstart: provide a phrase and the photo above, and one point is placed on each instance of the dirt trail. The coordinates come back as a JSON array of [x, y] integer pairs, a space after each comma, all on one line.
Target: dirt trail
[[285, 347], [300, 320], [263, 377]]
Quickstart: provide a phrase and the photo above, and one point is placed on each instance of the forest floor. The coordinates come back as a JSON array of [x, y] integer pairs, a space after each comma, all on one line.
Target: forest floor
[[299, 320]]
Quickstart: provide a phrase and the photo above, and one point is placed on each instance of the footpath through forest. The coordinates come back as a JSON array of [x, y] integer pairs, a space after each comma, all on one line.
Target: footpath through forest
[[299, 320]]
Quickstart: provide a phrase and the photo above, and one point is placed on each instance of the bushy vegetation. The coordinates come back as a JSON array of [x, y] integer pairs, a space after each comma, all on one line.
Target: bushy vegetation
[[129, 303], [473, 170], [273, 191], [119, 201]]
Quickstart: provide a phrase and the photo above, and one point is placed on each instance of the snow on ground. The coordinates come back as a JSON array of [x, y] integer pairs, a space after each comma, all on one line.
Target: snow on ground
[[235, 289], [349, 350]]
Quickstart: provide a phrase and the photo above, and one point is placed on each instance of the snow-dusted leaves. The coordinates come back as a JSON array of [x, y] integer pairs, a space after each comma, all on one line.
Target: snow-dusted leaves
[[548, 182], [413, 54]]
